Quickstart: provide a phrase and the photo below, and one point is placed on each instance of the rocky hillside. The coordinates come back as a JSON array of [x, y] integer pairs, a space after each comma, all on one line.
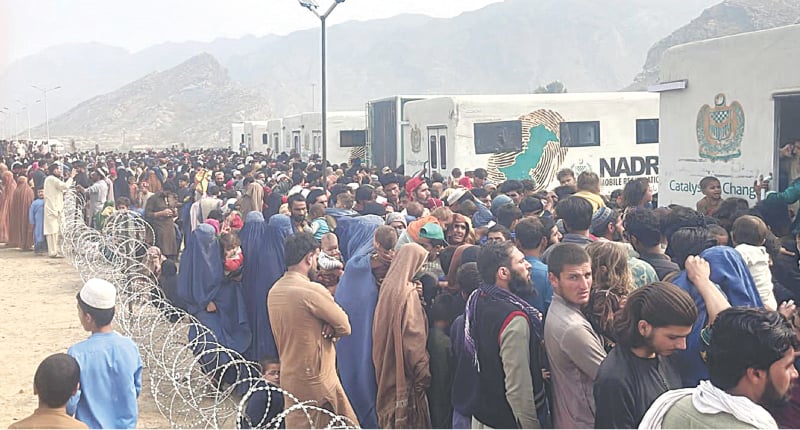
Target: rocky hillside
[[725, 19], [191, 104]]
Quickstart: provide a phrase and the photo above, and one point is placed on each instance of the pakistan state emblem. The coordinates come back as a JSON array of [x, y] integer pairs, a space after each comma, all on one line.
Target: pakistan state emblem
[[416, 140], [720, 130]]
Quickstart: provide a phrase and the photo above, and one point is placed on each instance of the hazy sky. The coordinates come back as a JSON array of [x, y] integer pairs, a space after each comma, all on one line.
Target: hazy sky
[[28, 26]]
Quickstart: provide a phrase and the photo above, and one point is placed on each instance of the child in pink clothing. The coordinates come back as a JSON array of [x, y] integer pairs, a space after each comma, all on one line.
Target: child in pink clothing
[[233, 256]]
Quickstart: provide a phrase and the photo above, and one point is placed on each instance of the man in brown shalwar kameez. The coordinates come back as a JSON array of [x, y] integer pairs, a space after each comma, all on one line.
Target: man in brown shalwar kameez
[[399, 339], [160, 211], [253, 197], [306, 322]]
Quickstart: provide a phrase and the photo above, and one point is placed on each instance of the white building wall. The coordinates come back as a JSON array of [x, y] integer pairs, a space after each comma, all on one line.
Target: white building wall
[[748, 69]]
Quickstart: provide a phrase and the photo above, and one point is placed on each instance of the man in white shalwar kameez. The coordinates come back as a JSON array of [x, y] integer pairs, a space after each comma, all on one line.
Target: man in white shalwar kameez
[[54, 189]]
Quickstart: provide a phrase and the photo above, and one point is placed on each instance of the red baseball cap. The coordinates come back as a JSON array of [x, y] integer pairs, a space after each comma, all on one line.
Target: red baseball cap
[[413, 183]]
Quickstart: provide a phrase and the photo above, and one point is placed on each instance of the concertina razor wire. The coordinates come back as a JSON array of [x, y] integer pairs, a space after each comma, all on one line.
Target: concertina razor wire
[[194, 380]]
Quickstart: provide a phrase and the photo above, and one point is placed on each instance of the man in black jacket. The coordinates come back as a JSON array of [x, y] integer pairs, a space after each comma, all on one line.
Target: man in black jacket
[[504, 336]]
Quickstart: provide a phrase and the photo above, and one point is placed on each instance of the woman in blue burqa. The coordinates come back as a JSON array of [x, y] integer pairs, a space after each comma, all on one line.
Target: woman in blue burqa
[[215, 301], [262, 246], [357, 294]]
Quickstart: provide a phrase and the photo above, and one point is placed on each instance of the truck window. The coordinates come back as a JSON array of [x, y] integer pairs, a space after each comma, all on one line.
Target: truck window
[[498, 136], [443, 151], [580, 134], [352, 138], [433, 150], [265, 139], [647, 131]]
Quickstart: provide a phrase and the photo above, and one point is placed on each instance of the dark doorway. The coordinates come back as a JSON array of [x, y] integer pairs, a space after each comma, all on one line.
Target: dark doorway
[[787, 132]]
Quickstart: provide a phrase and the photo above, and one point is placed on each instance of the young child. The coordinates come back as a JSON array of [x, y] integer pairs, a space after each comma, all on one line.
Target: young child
[[36, 218], [749, 235], [319, 225], [111, 367], [712, 190], [331, 266], [232, 254], [55, 381], [266, 403]]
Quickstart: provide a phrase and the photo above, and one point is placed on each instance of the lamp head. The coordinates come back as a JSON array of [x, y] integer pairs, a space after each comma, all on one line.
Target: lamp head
[[309, 4]]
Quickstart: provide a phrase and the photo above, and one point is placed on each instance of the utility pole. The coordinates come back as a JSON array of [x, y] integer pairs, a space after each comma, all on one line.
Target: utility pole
[[28, 112], [46, 117], [312, 6]]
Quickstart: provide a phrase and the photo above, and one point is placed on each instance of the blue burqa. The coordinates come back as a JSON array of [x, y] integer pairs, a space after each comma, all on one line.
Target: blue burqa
[[201, 281], [282, 222], [730, 273], [262, 246], [356, 234], [357, 294]]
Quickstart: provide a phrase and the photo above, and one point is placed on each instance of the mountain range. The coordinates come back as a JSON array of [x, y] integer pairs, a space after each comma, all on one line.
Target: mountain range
[[509, 47], [190, 105]]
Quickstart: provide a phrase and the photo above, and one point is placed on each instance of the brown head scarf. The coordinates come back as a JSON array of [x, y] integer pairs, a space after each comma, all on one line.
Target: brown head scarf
[[20, 232], [399, 336], [9, 186]]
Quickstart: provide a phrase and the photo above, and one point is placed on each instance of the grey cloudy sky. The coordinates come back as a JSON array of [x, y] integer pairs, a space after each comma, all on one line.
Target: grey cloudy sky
[[28, 26]]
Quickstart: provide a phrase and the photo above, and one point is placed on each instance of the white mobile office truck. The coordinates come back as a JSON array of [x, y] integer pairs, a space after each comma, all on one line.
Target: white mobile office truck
[[536, 135], [727, 105], [346, 134]]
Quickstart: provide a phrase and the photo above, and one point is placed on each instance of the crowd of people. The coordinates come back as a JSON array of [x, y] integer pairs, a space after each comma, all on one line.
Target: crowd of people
[[433, 300]]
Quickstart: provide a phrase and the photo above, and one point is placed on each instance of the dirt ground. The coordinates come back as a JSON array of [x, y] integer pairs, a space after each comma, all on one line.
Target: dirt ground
[[39, 318]]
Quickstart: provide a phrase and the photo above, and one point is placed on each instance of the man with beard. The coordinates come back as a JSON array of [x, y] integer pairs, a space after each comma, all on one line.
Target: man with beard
[[419, 191], [607, 226], [750, 355], [532, 239], [554, 234], [391, 187], [504, 338], [298, 211], [81, 178], [306, 323], [653, 324], [219, 180], [574, 350]]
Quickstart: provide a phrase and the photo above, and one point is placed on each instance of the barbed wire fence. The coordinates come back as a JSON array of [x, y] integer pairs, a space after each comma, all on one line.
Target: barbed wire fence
[[194, 380]]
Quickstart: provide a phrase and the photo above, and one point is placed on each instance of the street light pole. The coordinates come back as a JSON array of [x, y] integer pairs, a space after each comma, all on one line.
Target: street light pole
[[5, 119], [46, 117], [28, 112], [312, 6]]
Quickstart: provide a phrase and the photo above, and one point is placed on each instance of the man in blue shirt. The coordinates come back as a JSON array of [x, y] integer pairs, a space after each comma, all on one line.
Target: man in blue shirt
[[111, 368], [532, 238]]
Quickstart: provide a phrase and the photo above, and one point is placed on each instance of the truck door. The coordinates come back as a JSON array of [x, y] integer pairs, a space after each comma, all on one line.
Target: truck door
[[296, 141], [316, 142], [437, 148], [787, 130]]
